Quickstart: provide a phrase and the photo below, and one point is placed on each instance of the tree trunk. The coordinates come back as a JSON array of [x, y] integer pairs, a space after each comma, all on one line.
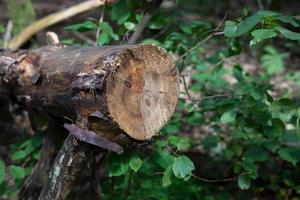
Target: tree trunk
[[99, 91]]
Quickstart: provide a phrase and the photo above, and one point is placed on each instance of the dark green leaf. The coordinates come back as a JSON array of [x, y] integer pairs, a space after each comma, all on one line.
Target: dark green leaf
[[289, 34], [290, 154], [289, 20], [257, 153], [210, 141], [118, 164]]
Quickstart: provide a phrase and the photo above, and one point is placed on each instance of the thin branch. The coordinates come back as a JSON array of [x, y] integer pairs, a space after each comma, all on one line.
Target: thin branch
[[83, 37], [205, 39], [207, 97], [7, 35], [141, 26], [54, 18], [217, 180], [186, 88]]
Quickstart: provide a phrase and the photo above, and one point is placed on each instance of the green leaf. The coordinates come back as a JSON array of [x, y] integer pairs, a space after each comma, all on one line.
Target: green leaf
[[167, 177], [289, 34], [267, 13], [249, 166], [228, 116], [135, 163], [129, 25], [19, 155], [210, 141], [120, 12], [118, 164], [106, 28], [182, 167], [233, 29], [85, 26], [289, 20], [290, 154], [163, 158], [230, 28], [16, 172], [2, 171], [257, 153], [183, 143], [272, 61], [244, 182], [262, 34], [103, 39]]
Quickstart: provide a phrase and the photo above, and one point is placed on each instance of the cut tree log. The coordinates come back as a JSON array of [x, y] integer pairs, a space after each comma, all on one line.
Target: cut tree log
[[104, 91]]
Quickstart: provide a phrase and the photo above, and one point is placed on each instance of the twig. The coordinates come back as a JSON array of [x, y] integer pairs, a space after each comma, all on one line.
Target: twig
[[99, 22], [141, 26], [207, 97], [7, 35], [217, 180], [54, 18], [186, 88], [205, 39], [83, 37], [211, 180]]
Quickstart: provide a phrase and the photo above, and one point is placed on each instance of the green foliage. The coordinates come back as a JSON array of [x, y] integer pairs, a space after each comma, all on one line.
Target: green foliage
[[23, 157], [262, 25], [21, 13], [183, 168], [234, 124]]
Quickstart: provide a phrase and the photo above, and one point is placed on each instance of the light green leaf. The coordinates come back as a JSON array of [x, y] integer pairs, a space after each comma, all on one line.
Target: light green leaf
[[228, 116], [16, 172], [167, 177], [135, 163], [2, 171], [290, 154], [129, 25], [262, 34], [182, 167], [244, 182]]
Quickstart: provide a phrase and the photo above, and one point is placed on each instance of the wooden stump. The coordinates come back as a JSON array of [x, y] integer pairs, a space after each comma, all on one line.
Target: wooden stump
[[104, 90]]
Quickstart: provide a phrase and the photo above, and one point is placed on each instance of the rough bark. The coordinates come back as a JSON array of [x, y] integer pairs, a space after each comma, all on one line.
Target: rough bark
[[133, 88], [66, 169], [39, 176]]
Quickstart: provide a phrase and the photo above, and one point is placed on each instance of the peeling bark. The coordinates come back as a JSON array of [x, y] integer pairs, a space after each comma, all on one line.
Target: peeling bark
[[66, 169]]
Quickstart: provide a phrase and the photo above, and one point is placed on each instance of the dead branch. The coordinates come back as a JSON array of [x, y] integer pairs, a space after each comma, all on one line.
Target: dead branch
[[54, 18]]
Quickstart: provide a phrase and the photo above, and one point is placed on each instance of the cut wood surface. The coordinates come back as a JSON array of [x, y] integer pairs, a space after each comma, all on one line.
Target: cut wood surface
[[105, 90]]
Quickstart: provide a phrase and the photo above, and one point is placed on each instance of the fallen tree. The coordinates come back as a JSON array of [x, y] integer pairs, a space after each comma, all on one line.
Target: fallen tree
[[105, 96]]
